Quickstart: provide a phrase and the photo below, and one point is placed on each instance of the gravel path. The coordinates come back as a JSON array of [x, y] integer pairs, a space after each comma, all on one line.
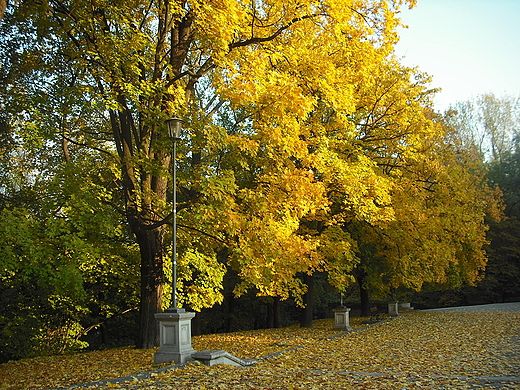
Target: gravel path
[[512, 307]]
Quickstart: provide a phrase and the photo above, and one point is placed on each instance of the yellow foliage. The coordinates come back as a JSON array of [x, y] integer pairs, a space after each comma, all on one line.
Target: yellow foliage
[[304, 140]]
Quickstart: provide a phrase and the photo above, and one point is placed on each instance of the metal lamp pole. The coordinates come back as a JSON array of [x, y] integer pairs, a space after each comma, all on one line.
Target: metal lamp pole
[[174, 131], [174, 323]]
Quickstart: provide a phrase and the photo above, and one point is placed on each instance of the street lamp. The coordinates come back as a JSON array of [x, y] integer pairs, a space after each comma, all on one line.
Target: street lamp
[[174, 128], [175, 322], [174, 131]]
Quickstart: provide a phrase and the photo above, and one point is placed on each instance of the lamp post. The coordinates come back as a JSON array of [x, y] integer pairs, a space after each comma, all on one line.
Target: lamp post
[[174, 131], [175, 322]]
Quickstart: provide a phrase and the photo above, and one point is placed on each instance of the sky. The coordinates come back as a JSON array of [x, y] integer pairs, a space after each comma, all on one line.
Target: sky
[[470, 47]]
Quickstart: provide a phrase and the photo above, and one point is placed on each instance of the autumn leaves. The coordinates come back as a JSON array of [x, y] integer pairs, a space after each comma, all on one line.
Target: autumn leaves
[[307, 148], [346, 166], [421, 350]]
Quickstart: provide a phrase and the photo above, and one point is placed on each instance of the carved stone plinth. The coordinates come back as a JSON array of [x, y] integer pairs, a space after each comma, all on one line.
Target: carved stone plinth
[[341, 318], [175, 336], [393, 309]]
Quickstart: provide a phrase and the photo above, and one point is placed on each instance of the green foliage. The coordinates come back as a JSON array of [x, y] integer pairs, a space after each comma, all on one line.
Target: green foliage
[[54, 279], [502, 278], [66, 259], [506, 175], [43, 296]]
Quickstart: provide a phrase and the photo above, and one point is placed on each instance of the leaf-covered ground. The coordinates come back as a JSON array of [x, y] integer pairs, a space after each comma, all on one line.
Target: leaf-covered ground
[[432, 350]]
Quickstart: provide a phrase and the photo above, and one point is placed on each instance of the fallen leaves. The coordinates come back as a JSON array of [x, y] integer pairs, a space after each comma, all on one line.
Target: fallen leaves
[[420, 350], [61, 371]]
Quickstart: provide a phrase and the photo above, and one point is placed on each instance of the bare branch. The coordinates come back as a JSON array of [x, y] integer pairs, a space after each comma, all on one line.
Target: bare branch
[[255, 40]]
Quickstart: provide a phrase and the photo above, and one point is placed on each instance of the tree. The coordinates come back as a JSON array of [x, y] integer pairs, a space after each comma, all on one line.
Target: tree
[[58, 239], [40, 288], [488, 123], [437, 192], [390, 134], [137, 63], [503, 269], [505, 173]]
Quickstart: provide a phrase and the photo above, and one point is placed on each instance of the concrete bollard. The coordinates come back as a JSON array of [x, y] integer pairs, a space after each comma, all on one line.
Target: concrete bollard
[[393, 309], [342, 318]]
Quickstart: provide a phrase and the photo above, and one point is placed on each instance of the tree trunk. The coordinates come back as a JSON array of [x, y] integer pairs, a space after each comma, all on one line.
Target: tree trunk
[[104, 333], [196, 328], [277, 323], [306, 315], [270, 315], [365, 301], [152, 283], [142, 191], [363, 293], [3, 6], [231, 315], [273, 314]]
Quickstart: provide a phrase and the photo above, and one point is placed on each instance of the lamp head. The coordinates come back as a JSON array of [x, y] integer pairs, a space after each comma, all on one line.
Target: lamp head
[[174, 127]]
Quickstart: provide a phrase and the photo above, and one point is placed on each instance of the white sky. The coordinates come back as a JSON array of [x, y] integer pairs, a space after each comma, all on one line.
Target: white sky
[[470, 47]]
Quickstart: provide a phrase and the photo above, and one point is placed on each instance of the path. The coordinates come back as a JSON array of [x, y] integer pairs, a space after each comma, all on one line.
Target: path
[[454, 348], [506, 307]]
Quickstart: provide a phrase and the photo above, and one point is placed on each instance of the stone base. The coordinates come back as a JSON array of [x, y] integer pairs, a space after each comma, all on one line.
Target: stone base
[[211, 357], [168, 357], [175, 336], [341, 318], [393, 309]]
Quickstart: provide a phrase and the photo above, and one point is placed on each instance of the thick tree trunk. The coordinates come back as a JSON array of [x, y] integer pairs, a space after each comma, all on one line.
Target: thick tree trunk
[[273, 314], [152, 282], [365, 301], [306, 315], [142, 191], [230, 327], [3, 6], [277, 322], [363, 293]]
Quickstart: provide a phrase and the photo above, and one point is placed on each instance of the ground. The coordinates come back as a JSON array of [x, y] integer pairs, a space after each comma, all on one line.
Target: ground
[[463, 348]]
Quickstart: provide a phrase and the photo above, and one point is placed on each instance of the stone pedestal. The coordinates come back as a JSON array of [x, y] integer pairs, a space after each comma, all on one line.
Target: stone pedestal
[[341, 318], [175, 336], [393, 309]]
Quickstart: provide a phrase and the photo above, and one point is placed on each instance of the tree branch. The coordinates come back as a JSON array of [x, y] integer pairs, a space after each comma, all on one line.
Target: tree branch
[[203, 233], [254, 40], [86, 145]]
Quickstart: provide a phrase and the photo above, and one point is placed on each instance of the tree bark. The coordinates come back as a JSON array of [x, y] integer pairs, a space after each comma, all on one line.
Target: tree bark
[[365, 301], [152, 283], [363, 293], [270, 315], [306, 315], [273, 314], [277, 322], [3, 6], [230, 327], [104, 334]]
